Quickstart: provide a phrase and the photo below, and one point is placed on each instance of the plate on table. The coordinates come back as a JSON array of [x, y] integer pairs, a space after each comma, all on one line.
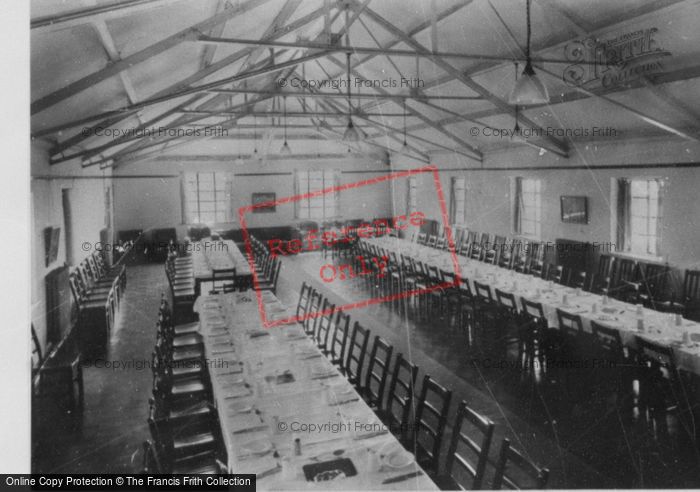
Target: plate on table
[[606, 317], [256, 448], [240, 407], [393, 455]]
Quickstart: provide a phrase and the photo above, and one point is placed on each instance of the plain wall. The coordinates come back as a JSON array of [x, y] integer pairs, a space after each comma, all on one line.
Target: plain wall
[[489, 202], [87, 198], [155, 202]]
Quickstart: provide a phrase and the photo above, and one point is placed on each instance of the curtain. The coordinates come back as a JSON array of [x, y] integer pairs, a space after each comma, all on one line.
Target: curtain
[[517, 204], [184, 207], [624, 219], [659, 215]]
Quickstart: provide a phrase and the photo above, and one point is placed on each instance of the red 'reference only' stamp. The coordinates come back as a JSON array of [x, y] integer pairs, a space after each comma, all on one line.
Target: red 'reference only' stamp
[[377, 265]]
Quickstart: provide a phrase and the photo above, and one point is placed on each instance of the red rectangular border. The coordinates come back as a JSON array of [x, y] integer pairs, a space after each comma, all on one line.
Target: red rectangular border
[[334, 189]]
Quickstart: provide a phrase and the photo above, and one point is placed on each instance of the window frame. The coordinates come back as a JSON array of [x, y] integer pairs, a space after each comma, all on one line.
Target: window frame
[[220, 197], [529, 210], [329, 201]]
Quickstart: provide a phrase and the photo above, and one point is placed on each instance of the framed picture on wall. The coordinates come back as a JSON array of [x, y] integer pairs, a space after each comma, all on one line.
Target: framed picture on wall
[[259, 198], [574, 209]]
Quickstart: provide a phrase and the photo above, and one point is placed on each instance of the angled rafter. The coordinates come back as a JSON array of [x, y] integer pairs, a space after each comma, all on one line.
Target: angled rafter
[[145, 54], [178, 86], [89, 14], [550, 143], [548, 44]]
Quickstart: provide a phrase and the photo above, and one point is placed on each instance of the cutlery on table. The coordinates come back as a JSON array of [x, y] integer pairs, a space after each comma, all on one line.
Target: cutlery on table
[[401, 478]]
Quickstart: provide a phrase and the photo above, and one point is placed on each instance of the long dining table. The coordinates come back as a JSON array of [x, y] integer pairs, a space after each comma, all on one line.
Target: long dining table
[[209, 255], [286, 413], [629, 320]]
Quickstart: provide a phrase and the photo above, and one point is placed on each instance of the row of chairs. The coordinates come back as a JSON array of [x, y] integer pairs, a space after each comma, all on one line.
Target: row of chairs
[[627, 279], [184, 426], [97, 292], [647, 283], [419, 423], [180, 273], [267, 266], [495, 326]]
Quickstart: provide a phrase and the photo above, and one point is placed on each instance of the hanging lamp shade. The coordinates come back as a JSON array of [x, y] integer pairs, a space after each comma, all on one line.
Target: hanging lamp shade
[[351, 133], [285, 149], [529, 89]]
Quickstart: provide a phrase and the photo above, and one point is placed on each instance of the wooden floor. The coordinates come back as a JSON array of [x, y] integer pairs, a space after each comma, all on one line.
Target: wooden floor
[[605, 448]]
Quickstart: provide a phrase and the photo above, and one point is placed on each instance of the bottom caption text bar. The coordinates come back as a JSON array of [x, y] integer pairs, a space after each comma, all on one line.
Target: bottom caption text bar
[[128, 482]]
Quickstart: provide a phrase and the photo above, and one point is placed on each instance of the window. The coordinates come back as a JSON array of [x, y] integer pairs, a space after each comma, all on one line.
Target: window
[[458, 214], [411, 196], [639, 215], [528, 207], [324, 206], [207, 197]]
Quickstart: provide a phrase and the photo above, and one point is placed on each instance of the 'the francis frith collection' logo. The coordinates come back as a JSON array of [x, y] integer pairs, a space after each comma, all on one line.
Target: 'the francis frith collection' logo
[[612, 62]]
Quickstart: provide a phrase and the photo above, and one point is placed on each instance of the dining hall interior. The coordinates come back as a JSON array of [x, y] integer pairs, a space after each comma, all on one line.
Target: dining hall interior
[[380, 244]]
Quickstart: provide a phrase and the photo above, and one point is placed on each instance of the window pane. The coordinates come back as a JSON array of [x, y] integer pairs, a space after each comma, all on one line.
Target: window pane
[[639, 188]]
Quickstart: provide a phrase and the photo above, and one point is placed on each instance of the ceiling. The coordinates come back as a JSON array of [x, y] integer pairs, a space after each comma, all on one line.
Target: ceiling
[[123, 80]]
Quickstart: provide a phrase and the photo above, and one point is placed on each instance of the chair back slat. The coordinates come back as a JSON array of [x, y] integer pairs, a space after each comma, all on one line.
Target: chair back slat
[[431, 418], [357, 351], [401, 391], [473, 432], [378, 371]]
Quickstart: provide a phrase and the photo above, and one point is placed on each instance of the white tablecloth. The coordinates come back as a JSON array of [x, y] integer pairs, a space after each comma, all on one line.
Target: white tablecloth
[[208, 255], [659, 327], [272, 385]]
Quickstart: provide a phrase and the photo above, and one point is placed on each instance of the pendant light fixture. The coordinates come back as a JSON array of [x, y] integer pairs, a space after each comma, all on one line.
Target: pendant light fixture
[[529, 89], [285, 150], [351, 134], [517, 135]]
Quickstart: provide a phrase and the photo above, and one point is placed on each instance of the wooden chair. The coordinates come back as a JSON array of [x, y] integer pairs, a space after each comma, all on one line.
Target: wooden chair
[[653, 280], [494, 250], [377, 373], [510, 461], [431, 418], [612, 372], [323, 324], [602, 283], [220, 277], [468, 454], [578, 280], [357, 350], [689, 302], [555, 273], [270, 283], [660, 385], [623, 280], [314, 306], [396, 412], [338, 338]]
